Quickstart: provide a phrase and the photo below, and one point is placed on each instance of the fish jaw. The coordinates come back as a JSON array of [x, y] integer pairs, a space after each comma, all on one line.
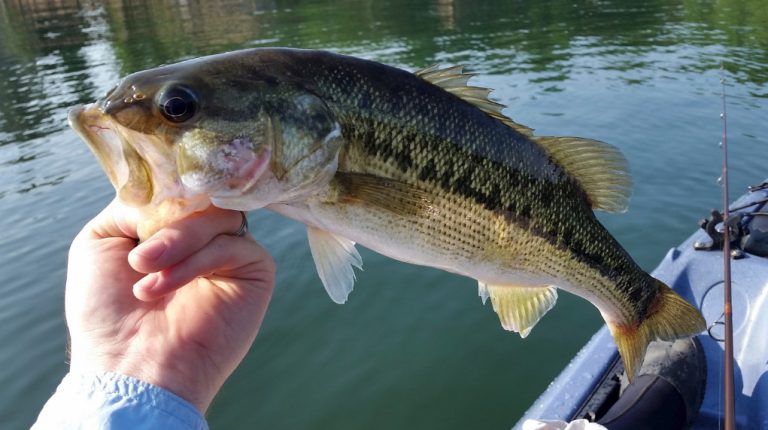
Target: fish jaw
[[98, 132], [143, 177]]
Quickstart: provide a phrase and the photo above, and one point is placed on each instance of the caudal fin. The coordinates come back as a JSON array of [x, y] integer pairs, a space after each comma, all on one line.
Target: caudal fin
[[670, 317]]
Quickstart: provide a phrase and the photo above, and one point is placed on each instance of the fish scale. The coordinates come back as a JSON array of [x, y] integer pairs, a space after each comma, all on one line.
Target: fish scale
[[421, 167], [456, 169], [483, 233]]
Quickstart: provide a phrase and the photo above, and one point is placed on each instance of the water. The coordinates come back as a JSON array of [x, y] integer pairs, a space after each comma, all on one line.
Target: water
[[413, 348]]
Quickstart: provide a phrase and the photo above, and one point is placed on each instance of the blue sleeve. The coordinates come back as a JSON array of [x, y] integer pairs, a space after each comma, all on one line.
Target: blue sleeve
[[116, 402]]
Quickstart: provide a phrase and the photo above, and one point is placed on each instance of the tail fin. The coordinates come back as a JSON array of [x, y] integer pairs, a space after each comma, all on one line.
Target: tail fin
[[670, 317]]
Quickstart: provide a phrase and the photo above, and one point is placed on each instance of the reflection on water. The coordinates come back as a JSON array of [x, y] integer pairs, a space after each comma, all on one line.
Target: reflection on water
[[57, 54], [640, 74]]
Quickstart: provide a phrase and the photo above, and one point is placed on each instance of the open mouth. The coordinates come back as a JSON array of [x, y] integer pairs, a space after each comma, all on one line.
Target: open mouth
[[94, 128], [125, 167], [140, 167], [99, 132]]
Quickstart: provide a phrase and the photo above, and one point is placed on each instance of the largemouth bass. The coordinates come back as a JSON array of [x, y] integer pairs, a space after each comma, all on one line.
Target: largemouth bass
[[420, 167]]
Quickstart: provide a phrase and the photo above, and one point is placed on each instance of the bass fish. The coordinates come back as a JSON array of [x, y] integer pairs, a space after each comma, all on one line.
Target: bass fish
[[421, 167]]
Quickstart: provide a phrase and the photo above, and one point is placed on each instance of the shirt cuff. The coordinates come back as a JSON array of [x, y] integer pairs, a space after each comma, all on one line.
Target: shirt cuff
[[115, 402]]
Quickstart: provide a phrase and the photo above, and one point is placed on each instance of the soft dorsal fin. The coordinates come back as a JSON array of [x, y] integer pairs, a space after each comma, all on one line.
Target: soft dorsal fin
[[454, 80], [599, 168]]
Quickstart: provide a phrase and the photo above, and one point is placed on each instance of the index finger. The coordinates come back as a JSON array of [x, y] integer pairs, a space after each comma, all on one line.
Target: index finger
[[183, 238], [115, 220]]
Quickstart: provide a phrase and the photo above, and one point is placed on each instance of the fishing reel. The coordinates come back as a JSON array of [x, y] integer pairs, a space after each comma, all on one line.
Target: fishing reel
[[748, 233], [710, 226]]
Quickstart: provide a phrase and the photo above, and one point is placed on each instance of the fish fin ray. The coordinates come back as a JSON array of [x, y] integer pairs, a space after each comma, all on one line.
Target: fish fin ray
[[455, 81], [334, 257], [599, 168], [671, 317], [520, 308], [391, 195], [482, 291]]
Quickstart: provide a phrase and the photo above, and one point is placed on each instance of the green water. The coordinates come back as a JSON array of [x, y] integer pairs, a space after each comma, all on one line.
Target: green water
[[413, 348]]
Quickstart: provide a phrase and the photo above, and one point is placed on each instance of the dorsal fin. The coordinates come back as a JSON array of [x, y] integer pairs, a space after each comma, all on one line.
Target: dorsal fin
[[600, 169], [454, 80]]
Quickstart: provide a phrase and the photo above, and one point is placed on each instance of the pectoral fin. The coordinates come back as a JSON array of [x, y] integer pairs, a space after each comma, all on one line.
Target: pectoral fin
[[519, 308], [394, 196], [334, 257]]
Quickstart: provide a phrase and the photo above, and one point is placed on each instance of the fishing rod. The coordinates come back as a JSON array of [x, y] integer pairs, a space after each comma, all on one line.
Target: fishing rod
[[729, 409]]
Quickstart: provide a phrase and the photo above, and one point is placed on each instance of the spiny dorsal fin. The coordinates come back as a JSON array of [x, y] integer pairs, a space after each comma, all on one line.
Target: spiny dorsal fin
[[599, 168], [454, 80]]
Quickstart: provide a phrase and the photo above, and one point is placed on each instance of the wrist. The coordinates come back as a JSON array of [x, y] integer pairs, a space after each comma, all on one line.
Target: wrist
[[86, 399], [175, 376]]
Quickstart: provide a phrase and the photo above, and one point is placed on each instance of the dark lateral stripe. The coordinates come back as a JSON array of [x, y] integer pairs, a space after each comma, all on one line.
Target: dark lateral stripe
[[559, 227]]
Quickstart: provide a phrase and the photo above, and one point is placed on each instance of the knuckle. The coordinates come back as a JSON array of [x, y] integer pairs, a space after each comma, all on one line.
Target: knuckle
[[269, 264]]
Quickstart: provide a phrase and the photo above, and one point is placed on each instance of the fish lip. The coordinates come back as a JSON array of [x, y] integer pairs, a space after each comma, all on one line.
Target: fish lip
[[83, 127], [82, 120], [125, 166], [73, 115]]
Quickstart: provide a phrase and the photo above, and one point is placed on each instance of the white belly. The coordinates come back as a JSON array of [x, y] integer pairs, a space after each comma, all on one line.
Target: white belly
[[417, 245]]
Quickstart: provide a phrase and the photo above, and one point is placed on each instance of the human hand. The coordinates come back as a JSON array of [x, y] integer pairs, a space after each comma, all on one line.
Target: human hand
[[179, 310]]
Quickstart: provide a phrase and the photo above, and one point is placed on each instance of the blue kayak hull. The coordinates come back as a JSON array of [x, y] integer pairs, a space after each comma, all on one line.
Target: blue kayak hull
[[698, 277]]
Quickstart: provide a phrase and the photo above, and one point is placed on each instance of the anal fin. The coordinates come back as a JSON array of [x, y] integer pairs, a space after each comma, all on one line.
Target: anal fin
[[519, 308], [334, 258], [482, 291]]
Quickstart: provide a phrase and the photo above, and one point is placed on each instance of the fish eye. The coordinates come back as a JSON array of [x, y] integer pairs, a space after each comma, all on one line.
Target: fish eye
[[178, 104]]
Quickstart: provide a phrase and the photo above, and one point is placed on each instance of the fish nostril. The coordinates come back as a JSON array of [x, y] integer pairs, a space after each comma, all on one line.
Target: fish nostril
[[104, 105]]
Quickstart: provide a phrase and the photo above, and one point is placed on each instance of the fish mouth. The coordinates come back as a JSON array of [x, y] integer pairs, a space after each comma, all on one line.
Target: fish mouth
[[141, 167], [95, 129], [126, 169]]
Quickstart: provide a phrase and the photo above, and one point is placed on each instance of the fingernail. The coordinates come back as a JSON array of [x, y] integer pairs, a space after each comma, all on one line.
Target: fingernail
[[146, 283], [152, 249]]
